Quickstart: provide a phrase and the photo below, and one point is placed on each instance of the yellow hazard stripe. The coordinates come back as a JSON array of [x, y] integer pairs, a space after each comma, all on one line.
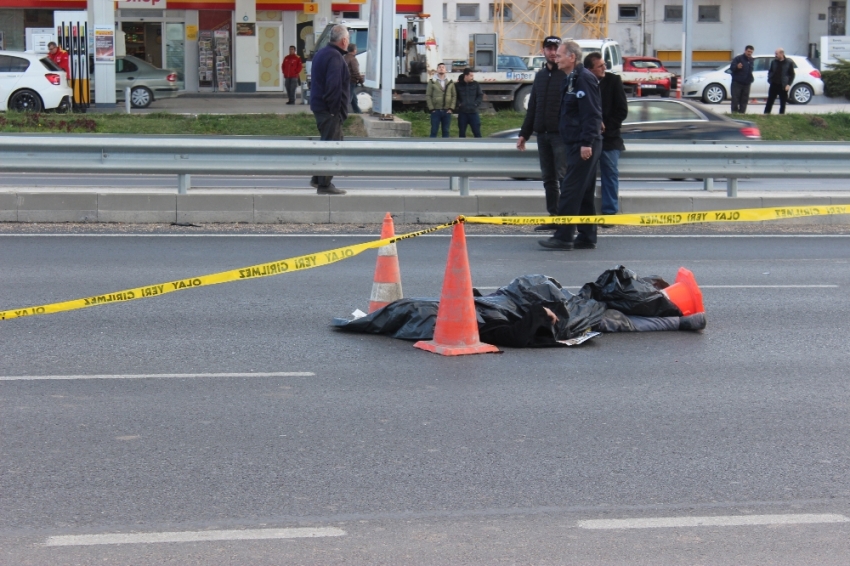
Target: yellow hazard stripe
[[279, 267], [670, 218]]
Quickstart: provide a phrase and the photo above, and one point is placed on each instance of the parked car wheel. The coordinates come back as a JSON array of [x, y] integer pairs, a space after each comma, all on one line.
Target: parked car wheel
[[141, 97], [714, 94], [25, 100], [521, 99], [801, 94]]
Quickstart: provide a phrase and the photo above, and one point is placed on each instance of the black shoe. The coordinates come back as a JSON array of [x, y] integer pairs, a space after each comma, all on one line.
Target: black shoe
[[555, 244], [692, 322], [546, 227], [330, 190], [291, 102], [604, 226], [314, 183], [583, 245]]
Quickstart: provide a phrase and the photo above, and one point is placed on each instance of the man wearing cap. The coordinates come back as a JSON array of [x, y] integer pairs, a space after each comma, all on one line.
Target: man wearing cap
[[544, 106], [581, 129]]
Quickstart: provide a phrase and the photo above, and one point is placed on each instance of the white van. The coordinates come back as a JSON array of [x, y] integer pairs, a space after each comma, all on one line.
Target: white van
[[609, 49]]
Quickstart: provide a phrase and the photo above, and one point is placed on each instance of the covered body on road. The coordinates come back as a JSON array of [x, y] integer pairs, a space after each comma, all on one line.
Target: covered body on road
[[535, 311]]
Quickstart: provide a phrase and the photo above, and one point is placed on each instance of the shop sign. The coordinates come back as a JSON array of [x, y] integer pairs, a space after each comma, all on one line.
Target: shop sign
[[142, 4]]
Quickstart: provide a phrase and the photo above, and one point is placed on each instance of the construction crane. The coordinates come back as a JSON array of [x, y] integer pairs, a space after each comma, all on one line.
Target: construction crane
[[522, 27]]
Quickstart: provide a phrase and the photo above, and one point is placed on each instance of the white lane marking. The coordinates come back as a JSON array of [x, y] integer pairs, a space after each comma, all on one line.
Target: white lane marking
[[448, 235], [156, 376], [722, 521], [768, 286], [723, 287], [192, 536]]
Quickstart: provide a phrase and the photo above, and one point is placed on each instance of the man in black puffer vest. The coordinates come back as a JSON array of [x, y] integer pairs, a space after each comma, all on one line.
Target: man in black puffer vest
[[544, 112]]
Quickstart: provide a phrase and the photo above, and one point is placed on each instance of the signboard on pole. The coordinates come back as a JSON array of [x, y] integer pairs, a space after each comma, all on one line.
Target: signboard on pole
[[104, 44]]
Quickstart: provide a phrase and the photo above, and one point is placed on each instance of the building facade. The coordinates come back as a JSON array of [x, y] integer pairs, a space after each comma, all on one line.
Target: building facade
[[238, 45]]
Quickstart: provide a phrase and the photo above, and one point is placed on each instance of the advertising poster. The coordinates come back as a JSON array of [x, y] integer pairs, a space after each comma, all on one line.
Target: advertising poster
[[104, 44]]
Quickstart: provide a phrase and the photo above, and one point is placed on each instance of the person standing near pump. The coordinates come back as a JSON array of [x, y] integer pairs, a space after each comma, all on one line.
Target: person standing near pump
[[441, 97], [780, 77], [615, 109], [544, 106], [742, 77], [291, 68], [329, 97], [356, 77], [581, 129], [60, 57], [469, 98]]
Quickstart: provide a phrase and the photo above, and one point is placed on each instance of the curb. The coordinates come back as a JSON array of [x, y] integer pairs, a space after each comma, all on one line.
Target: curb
[[352, 208]]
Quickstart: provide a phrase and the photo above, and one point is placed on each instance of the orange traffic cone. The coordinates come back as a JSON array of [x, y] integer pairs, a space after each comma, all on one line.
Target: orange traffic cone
[[387, 285], [639, 93], [456, 332], [685, 293]]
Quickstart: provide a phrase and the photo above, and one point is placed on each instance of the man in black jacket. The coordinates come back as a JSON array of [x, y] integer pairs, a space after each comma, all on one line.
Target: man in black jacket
[[469, 98], [615, 109], [780, 77], [329, 97], [580, 126], [544, 106], [742, 77]]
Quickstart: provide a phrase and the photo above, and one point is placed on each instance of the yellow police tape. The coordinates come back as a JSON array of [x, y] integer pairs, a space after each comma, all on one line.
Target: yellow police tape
[[318, 259], [670, 218], [290, 265]]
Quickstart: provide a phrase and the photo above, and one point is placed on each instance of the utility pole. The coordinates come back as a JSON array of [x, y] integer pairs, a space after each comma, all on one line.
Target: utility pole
[[687, 32]]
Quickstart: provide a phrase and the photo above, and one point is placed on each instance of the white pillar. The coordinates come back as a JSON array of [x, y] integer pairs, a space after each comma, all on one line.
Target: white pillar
[[246, 64], [101, 15]]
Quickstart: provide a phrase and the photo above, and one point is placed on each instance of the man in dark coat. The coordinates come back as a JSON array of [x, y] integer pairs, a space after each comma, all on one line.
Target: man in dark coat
[[469, 98], [544, 107], [329, 97], [580, 126], [742, 77], [780, 77], [615, 109]]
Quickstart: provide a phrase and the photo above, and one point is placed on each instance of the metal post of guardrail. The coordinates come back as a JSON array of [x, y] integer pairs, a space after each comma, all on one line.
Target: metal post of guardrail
[[732, 187], [184, 182], [708, 184], [127, 103], [459, 184]]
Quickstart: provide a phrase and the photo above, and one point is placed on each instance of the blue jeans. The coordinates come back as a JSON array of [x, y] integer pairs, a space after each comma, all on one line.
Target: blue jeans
[[355, 106], [608, 163], [440, 118], [471, 118]]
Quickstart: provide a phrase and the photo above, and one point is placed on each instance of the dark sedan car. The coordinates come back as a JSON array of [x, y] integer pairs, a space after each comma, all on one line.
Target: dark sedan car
[[671, 119]]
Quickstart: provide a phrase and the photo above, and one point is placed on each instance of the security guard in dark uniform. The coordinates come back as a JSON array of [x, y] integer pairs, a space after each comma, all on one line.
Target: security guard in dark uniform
[[581, 129]]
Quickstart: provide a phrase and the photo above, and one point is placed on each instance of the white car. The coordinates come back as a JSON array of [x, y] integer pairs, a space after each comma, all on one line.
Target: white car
[[713, 87], [30, 82]]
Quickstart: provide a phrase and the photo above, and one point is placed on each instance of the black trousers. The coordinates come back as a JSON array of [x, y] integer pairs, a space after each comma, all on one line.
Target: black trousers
[[776, 90], [291, 85], [577, 192], [740, 97], [553, 165], [330, 129]]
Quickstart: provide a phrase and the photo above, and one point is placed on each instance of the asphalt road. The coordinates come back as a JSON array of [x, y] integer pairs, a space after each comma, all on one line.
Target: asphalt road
[[737, 436]]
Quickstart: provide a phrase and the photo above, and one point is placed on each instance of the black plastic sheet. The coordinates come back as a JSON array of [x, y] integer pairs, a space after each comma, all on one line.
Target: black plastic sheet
[[515, 314]]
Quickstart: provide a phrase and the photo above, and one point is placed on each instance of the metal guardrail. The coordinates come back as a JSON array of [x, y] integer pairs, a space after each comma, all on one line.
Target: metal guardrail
[[455, 159]]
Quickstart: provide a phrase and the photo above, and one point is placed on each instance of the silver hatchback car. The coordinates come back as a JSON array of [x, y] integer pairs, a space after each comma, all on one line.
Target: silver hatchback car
[[146, 82], [713, 87]]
